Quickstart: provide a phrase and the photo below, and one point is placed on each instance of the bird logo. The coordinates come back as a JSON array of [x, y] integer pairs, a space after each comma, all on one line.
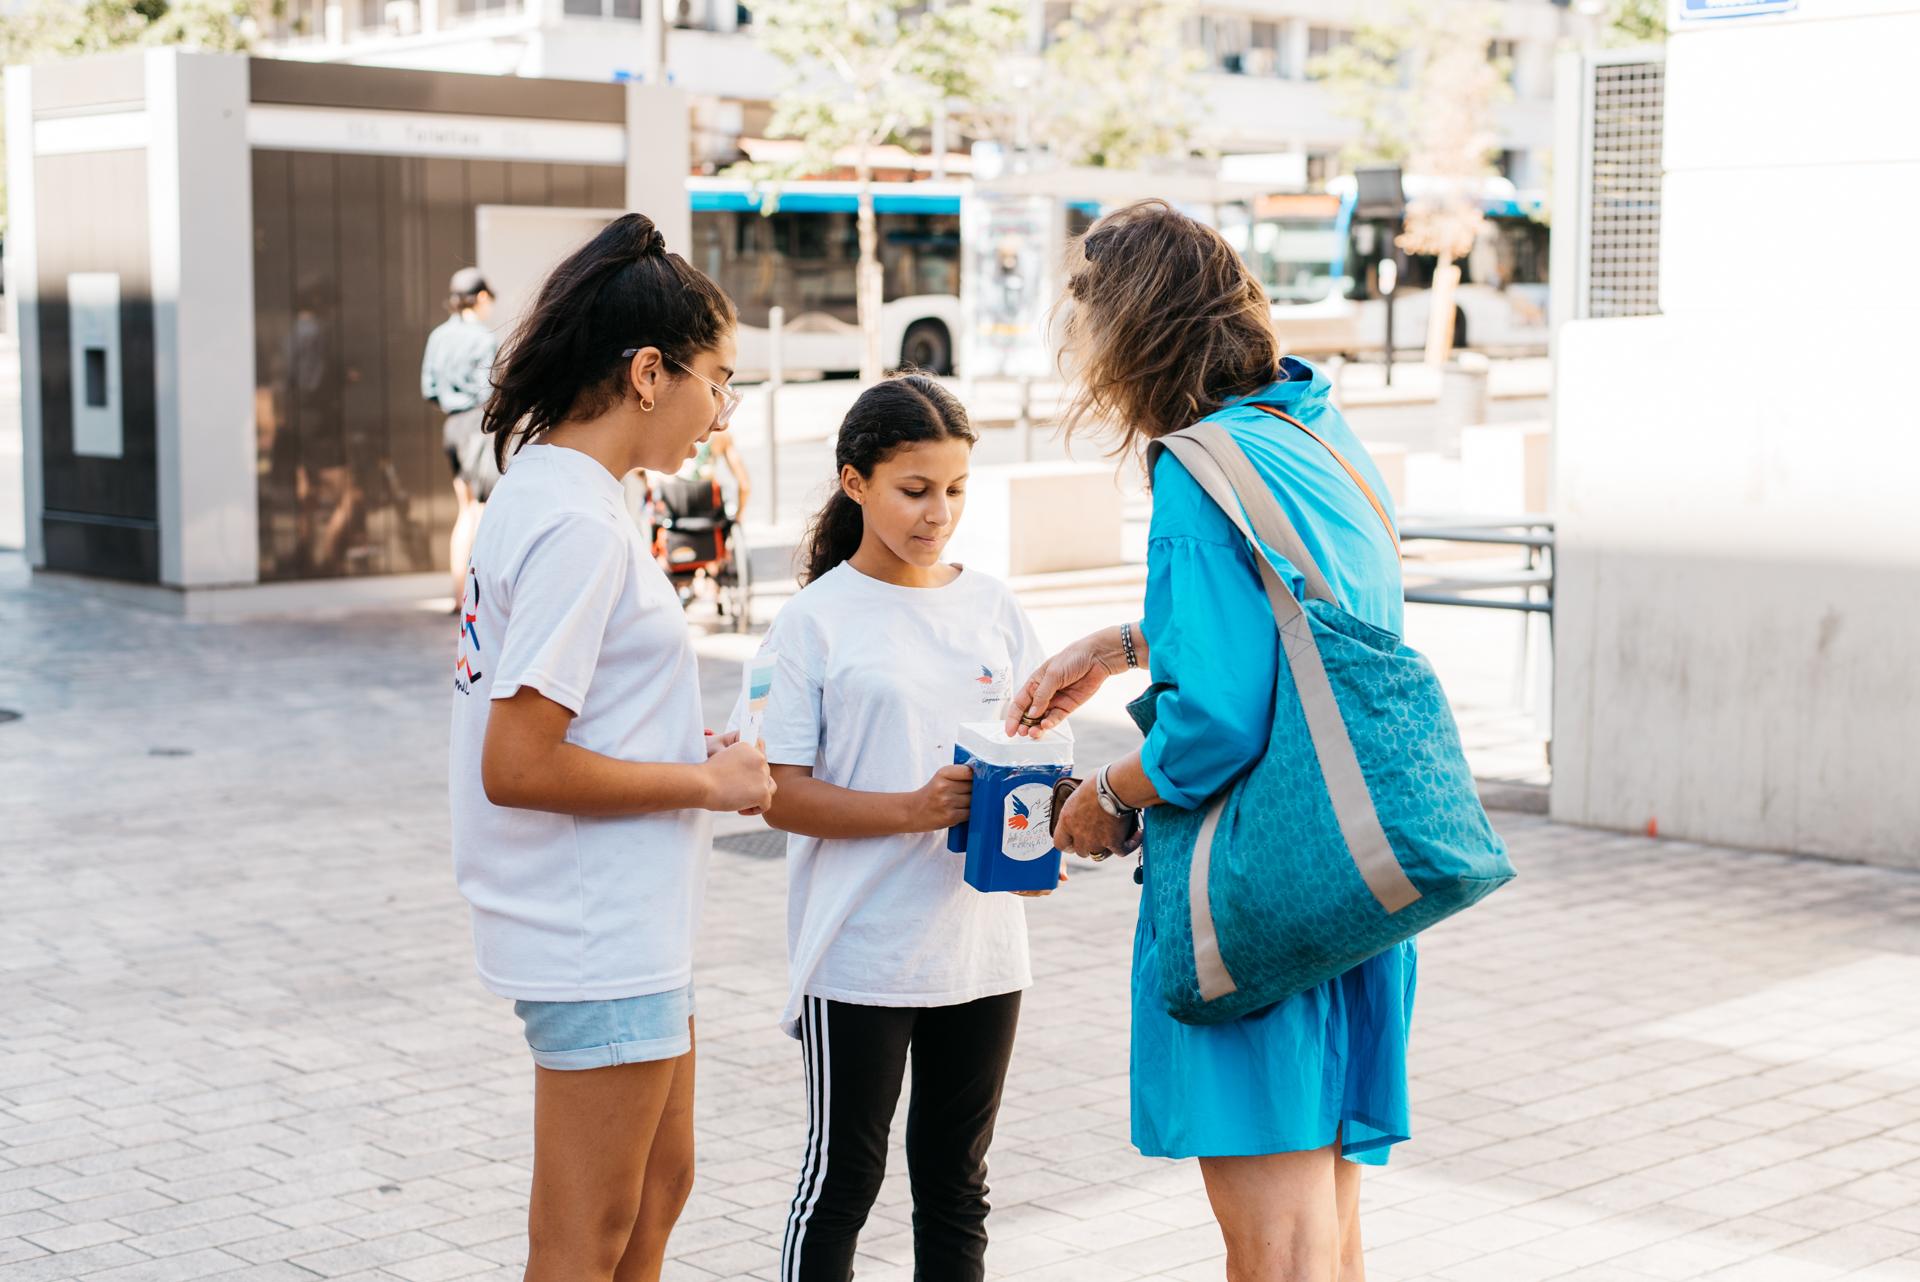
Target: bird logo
[[1022, 817], [986, 677]]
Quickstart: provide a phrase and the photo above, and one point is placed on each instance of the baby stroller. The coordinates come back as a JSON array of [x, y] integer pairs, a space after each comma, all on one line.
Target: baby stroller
[[695, 536]]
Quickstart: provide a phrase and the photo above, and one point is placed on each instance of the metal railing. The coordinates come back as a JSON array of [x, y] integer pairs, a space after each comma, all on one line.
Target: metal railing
[[1533, 533]]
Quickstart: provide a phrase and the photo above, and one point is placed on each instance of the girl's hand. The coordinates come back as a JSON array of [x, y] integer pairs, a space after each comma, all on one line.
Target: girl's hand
[[1066, 681], [1086, 829], [739, 779], [943, 800], [715, 742], [1037, 894]]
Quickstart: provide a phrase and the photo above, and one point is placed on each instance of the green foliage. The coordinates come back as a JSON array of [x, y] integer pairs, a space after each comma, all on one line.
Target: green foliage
[[1636, 22], [866, 73], [1118, 86], [50, 29], [1364, 76]]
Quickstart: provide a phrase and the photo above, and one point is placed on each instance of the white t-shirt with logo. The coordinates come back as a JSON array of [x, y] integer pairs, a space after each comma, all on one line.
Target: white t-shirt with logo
[[872, 684], [564, 598]]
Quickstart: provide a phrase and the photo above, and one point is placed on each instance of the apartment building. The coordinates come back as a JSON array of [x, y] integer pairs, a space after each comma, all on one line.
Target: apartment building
[[1259, 90]]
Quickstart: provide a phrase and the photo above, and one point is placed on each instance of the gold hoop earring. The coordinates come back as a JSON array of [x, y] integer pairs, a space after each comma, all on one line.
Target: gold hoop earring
[[646, 406]]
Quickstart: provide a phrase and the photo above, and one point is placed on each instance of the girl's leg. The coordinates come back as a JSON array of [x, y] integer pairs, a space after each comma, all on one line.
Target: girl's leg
[[960, 1056], [593, 1131], [855, 1058], [1279, 1214], [668, 1181], [466, 522]]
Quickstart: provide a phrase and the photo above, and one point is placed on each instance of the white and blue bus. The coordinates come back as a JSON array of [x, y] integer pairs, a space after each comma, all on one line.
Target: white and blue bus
[[803, 256], [1321, 265]]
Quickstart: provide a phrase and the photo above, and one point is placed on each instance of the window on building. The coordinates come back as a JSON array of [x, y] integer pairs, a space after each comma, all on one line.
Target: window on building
[[1504, 54], [1321, 167], [1265, 53], [1053, 15], [299, 20], [1324, 40], [1224, 39], [464, 10]]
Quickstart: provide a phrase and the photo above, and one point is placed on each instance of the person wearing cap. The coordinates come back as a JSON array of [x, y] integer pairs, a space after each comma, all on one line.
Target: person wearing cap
[[456, 375]]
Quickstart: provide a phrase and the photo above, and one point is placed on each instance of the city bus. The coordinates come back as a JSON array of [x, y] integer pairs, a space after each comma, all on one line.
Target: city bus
[[802, 257], [1320, 266]]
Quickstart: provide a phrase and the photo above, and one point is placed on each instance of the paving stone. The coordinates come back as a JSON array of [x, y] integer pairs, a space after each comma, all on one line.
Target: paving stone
[[249, 1041]]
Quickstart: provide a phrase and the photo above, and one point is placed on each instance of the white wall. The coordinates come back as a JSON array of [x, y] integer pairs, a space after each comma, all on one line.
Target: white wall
[[1739, 569]]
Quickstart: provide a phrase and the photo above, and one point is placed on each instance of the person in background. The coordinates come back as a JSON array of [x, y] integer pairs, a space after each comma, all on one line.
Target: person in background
[[456, 374]]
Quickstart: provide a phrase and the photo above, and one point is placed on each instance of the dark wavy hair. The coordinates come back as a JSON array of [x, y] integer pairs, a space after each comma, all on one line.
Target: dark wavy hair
[[1165, 322], [904, 410], [621, 289]]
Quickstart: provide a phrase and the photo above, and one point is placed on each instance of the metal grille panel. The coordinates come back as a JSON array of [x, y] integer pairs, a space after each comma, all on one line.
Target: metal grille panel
[[1623, 276]]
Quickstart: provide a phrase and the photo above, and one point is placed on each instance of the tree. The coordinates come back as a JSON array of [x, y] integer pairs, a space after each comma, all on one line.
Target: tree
[[52, 29], [1439, 127], [868, 73], [1636, 22], [1119, 84]]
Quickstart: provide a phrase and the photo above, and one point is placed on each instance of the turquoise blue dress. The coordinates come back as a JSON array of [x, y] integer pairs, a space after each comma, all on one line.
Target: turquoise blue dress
[[1331, 1062]]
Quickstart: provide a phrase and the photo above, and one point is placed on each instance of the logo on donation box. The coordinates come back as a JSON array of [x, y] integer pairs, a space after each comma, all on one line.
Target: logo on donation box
[[1027, 835]]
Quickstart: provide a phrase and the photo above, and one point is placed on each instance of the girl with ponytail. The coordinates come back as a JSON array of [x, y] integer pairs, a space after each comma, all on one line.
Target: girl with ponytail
[[882, 655], [580, 773]]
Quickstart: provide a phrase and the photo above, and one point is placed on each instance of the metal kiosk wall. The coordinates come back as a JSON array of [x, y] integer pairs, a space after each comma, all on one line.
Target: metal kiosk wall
[[227, 269]]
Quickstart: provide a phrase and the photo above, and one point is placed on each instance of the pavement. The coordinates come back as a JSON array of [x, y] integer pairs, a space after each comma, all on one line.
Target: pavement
[[242, 1037]]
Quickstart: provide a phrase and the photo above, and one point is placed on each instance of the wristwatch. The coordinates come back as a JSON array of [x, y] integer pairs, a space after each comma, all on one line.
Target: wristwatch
[[1111, 803], [1109, 800]]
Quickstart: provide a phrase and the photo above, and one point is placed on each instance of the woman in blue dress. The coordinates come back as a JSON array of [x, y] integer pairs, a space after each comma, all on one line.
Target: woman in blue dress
[[1285, 1105]]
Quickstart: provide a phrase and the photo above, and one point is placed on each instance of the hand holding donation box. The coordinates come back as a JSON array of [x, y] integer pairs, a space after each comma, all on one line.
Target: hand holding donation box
[[1008, 835]]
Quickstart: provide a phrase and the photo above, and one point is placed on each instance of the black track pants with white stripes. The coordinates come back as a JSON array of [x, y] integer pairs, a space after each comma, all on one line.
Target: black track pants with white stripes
[[856, 1058]]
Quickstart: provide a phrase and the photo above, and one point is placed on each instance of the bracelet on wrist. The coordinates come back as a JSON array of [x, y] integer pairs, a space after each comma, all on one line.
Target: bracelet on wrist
[[1126, 645]]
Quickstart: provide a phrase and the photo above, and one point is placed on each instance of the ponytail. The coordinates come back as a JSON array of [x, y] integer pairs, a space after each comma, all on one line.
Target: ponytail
[[902, 411], [621, 289]]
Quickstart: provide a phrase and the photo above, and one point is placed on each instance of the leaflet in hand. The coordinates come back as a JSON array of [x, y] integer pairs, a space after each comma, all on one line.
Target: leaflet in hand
[[757, 686]]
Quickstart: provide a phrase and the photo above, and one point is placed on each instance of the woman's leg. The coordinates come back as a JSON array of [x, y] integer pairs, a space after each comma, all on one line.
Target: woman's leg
[[466, 520], [593, 1132], [668, 1181], [855, 1059], [960, 1056], [1346, 1196], [1280, 1215]]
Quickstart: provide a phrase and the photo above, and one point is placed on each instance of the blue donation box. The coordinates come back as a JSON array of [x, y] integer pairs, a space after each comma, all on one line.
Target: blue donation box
[[1008, 835]]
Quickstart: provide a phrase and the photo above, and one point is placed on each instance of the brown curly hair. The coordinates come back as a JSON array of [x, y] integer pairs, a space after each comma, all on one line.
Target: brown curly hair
[[1165, 325]]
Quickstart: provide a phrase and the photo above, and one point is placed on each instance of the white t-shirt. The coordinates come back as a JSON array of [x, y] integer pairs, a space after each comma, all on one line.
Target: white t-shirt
[[563, 598], [872, 683]]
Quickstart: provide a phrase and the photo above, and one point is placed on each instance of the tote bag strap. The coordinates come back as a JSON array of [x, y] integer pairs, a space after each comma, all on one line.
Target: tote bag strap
[[1348, 468], [1213, 458]]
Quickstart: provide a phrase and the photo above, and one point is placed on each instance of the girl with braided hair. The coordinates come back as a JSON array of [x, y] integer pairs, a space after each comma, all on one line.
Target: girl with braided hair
[[893, 958]]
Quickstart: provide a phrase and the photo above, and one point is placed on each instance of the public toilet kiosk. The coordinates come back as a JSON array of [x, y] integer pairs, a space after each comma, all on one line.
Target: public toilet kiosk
[[225, 270]]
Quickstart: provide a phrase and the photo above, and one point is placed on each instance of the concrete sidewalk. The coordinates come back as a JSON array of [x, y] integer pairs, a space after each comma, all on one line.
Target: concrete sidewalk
[[242, 1037]]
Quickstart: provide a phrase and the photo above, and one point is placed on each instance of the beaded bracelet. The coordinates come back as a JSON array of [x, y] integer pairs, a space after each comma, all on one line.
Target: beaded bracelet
[[1126, 642]]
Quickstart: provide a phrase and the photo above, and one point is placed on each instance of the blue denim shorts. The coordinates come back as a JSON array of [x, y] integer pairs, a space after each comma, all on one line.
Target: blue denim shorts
[[622, 1030]]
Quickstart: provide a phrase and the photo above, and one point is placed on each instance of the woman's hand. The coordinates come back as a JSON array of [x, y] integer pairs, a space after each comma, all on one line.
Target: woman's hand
[[738, 779], [1086, 829], [715, 742], [942, 801], [1066, 681]]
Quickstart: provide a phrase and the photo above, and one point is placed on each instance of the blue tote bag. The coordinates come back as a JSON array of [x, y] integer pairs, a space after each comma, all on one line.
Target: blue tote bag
[[1360, 825]]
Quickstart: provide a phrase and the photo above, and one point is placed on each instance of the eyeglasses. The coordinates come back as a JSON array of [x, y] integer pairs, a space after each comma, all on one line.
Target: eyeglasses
[[729, 399]]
